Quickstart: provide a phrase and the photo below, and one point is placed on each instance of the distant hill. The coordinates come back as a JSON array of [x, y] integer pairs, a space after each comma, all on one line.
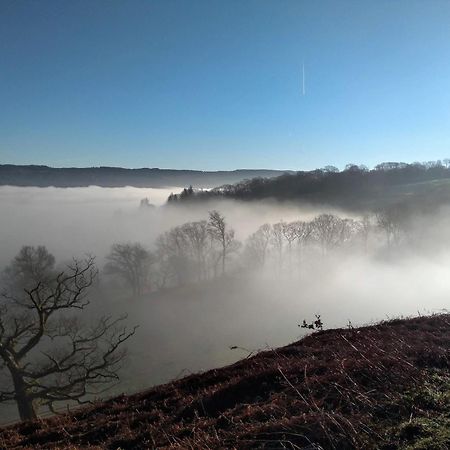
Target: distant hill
[[385, 386], [43, 176], [353, 188]]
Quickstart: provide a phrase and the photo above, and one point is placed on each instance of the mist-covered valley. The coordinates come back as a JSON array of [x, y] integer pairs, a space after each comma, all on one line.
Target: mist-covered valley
[[215, 289], [224, 225]]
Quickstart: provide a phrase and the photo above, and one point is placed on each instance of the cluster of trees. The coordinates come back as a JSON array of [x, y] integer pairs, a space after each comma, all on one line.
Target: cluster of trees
[[50, 349], [204, 249], [185, 194], [192, 251], [285, 242], [328, 184]]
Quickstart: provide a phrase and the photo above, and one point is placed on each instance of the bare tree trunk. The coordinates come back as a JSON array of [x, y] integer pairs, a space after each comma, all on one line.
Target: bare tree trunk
[[24, 402], [290, 257], [299, 259], [223, 260], [26, 408]]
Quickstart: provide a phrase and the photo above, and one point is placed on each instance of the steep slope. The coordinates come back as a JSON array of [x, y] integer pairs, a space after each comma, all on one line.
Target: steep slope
[[383, 386]]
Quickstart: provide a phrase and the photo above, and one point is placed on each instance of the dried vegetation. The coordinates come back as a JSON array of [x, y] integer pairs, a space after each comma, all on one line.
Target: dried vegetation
[[384, 386]]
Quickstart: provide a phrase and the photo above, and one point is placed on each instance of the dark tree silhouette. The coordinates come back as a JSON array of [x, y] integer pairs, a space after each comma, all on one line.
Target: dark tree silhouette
[[353, 187], [391, 221], [49, 354], [278, 241], [289, 231], [172, 255], [132, 262], [222, 235], [331, 231], [30, 266], [196, 235], [257, 245]]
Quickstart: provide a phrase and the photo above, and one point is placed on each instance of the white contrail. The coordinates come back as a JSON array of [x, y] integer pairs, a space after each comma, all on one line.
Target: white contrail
[[303, 79]]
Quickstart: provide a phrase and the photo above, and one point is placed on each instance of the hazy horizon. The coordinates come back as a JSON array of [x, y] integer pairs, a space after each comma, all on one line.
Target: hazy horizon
[[407, 161]]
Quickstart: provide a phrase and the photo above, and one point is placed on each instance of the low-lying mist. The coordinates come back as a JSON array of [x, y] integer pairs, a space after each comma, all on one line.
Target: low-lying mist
[[75, 221], [190, 325]]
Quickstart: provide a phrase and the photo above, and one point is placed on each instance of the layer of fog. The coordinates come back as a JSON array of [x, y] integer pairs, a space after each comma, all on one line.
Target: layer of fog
[[76, 221], [72, 221], [191, 328]]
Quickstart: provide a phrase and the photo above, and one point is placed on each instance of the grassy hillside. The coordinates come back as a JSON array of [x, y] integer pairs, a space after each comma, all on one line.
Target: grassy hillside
[[436, 192], [383, 386]]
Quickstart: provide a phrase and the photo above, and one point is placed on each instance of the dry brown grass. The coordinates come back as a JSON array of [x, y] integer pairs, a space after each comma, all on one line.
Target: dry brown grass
[[336, 389]]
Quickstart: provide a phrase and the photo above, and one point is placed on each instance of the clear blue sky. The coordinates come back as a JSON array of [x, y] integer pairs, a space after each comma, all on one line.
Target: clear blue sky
[[217, 84]]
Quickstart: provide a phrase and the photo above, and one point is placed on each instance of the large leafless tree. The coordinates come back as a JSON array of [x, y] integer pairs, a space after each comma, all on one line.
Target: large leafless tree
[[257, 245], [131, 262], [331, 231], [391, 222], [31, 265], [303, 232], [223, 236], [50, 349], [173, 257], [277, 241], [290, 234], [196, 234]]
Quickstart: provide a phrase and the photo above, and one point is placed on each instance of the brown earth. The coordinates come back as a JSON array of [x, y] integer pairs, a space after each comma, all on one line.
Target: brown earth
[[383, 386]]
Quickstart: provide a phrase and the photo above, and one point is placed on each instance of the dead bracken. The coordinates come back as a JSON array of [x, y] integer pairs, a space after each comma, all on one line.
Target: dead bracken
[[382, 386]]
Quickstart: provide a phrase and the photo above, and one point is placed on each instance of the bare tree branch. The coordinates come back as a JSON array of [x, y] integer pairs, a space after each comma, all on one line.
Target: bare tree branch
[[49, 355]]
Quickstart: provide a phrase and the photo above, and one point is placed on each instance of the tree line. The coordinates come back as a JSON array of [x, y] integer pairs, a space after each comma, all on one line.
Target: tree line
[[350, 187], [205, 249]]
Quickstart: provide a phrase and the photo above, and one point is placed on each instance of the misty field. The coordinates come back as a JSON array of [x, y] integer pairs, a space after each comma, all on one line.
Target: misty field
[[193, 319]]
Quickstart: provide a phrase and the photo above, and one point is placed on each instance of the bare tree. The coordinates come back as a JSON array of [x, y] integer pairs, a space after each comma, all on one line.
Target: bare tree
[[132, 262], [257, 244], [289, 232], [303, 231], [223, 236], [173, 257], [365, 229], [163, 272], [49, 355], [390, 221], [278, 241], [331, 231], [196, 234], [31, 265]]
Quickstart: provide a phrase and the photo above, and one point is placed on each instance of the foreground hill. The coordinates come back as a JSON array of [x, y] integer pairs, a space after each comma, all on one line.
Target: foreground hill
[[383, 386], [43, 176]]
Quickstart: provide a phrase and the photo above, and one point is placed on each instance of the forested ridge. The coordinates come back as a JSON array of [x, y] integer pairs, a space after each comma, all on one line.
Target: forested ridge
[[353, 187], [44, 176]]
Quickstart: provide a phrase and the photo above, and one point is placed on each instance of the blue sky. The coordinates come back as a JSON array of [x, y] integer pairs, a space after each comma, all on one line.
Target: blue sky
[[218, 84]]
